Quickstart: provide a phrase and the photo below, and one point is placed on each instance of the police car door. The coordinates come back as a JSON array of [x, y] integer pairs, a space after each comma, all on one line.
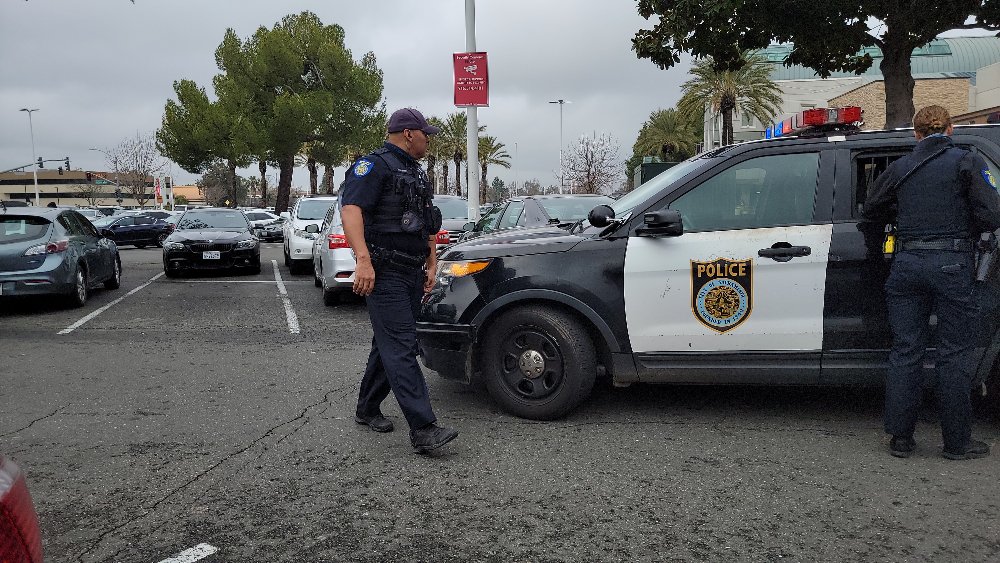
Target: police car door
[[740, 293]]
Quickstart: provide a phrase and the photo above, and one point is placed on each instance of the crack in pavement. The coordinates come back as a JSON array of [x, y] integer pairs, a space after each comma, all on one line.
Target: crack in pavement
[[53, 413], [146, 512]]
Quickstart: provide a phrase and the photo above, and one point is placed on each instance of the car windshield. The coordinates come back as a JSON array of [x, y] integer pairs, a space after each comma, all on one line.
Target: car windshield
[[199, 220], [105, 221], [258, 216], [314, 209], [570, 209], [625, 204], [452, 208], [18, 229]]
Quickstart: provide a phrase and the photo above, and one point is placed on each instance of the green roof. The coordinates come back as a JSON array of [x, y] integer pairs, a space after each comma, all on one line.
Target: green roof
[[943, 55]]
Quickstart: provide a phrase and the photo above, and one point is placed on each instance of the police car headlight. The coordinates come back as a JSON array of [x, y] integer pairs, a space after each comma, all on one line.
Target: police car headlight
[[449, 270], [304, 234], [244, 244], [173, 246]]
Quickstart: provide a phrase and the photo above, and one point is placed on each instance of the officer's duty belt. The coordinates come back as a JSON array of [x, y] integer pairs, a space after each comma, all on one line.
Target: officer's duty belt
[[400, 260], [955, 245]]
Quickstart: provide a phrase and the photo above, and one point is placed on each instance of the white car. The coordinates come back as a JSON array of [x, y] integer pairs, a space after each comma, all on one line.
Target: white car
[[298, 242], [333, 260]]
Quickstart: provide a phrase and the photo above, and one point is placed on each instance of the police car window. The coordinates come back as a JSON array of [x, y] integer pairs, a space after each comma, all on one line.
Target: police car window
[[867, 169], [767, 191], [489, 221], [512, 214]]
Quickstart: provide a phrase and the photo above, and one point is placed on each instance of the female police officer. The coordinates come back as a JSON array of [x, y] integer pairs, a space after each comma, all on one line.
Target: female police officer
[[940, 198], [391, 226]]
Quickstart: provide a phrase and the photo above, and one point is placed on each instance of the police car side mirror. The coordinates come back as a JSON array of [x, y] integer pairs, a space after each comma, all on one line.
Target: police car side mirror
[[469, 226], [285, 215], [665, 222], [313, 228], [601, 216]]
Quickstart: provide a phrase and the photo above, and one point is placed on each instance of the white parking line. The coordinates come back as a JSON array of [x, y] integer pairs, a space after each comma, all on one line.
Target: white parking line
[[86, 319], [200, 551], [293, 321]]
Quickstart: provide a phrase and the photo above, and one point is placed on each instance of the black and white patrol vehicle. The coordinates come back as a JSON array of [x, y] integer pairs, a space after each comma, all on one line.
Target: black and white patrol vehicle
[[743, 265]]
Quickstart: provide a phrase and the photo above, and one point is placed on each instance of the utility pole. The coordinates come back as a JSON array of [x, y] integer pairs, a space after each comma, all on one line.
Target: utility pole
[[31, 127]]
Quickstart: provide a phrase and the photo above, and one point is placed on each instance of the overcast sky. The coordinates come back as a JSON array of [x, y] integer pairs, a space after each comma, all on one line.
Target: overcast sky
[[101, 70]]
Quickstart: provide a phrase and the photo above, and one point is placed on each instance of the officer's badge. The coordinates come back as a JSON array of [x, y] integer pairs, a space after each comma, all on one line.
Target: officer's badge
[[722, 292], [363, 167], [988, 176]]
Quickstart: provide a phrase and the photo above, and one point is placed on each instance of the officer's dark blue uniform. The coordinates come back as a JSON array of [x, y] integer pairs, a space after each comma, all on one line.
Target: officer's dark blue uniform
[[376, 184], [940, 198]]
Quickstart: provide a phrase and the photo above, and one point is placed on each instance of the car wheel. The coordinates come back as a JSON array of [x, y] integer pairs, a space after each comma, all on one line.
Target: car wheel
[[116, 275], [317, 273], [298, 268], [331, 297], [160, 238], [538, 362], [79, 296], [288, 260], [255, 268]]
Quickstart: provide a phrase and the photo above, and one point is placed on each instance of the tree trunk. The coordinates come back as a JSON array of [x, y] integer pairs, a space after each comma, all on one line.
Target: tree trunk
[[431, 162], [232, 183], [286, 165], [898, 76], [458, 173], [262, 166], [313, 175], [482, 180], [327, 179], [444, 177]]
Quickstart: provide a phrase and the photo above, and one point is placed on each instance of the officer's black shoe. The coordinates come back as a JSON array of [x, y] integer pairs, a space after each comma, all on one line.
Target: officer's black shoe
[[377, 423], [972, 450], [902, 446], [431, 437]]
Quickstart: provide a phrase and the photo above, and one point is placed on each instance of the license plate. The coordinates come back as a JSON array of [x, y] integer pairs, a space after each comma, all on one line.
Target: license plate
[[211, 255]]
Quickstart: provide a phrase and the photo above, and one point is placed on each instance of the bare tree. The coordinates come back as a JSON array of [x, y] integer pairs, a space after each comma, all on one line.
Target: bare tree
[[91, 192], [133, 163], [592, 166]]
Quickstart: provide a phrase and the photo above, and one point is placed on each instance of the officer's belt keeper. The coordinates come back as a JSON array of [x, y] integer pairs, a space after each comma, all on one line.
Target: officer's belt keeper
[[402, 260], [955, 245]]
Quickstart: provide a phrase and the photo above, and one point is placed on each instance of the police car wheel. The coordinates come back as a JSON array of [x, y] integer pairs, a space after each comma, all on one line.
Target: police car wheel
[[538, 362]]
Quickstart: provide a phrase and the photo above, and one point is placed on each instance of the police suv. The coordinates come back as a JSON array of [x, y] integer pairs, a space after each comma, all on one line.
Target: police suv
[[743, 265]]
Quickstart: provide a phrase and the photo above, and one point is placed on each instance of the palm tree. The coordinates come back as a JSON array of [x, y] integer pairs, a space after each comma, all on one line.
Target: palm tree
[[669, 135], [433, 152], [453, 145], [749, 89], [491, 151]]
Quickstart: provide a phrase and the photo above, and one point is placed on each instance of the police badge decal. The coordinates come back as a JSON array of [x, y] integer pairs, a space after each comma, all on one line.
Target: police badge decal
[[722, 292]]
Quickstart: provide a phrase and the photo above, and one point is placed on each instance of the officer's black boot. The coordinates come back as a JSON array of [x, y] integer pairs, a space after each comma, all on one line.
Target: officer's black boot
[[431, 437]]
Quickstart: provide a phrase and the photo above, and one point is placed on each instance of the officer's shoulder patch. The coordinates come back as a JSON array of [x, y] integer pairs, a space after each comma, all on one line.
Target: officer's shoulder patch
[[362, 167], [988, 176]]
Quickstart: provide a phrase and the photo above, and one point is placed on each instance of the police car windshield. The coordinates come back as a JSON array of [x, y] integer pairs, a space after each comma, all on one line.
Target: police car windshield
[[625, 204], [313, 209]]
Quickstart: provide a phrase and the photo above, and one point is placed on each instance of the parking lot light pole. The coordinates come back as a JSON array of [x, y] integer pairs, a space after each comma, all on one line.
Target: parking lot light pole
[[31, 127], [561, 172]]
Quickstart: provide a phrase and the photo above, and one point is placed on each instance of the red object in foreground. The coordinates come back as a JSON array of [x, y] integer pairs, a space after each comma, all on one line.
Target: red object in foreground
[[20, 537], [441, 237]]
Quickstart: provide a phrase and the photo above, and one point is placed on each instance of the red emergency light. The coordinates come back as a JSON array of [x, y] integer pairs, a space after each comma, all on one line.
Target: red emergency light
[[815, 118]]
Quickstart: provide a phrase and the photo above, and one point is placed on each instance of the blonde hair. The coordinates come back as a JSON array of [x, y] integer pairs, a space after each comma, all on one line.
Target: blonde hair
[[930, 120]]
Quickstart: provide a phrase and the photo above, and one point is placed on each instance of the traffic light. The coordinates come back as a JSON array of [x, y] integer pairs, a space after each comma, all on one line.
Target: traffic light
[[41, 163], [67, 164], [89, 176], [60, 170]]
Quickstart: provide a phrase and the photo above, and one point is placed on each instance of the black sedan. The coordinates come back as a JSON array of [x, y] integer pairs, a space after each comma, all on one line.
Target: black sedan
[[211, 239], [535, 211], [49, 251], [138, 230]]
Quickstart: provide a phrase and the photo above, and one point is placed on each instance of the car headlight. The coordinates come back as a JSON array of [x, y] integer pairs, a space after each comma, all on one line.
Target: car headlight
[[304, 234], [449, 270], [173, 246], [248, 243]]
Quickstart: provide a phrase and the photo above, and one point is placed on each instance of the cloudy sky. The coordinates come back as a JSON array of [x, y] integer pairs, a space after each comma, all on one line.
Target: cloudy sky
[[101, 71]]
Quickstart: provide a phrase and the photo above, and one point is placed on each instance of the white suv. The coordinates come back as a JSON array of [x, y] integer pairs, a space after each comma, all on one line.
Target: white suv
[[298, 243]]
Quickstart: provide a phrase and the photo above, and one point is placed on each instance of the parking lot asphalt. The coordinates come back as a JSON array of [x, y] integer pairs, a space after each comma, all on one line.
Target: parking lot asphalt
[[190, 412]]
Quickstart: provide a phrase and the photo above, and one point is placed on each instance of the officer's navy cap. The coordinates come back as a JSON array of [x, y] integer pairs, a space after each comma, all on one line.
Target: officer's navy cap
[[409, 118]]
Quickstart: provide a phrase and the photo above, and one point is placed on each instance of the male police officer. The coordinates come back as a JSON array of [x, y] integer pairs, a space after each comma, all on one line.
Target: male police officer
[[940, 198], [391, 226]]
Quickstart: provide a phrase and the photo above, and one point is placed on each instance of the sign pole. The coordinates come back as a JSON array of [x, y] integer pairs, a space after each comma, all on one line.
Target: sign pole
[[472, 134]]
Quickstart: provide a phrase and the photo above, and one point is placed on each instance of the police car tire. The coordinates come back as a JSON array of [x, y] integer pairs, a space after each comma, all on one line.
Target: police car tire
[[569, 353]]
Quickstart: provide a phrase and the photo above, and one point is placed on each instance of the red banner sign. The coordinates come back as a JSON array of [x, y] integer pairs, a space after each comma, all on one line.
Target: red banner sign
[[472, 82]]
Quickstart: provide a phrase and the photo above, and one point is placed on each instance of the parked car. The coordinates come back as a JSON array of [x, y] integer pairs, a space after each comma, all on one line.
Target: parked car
[[209, 238], [333, 259], [46, 251], [158, 213], [20, 534], [138, 230], [299, 242], [534, 211], [265, 225], [454, 214], [91, 214]]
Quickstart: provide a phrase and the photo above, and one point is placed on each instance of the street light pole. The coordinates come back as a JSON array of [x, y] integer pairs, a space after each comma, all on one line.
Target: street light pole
[[34, 159], [561, 173]]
